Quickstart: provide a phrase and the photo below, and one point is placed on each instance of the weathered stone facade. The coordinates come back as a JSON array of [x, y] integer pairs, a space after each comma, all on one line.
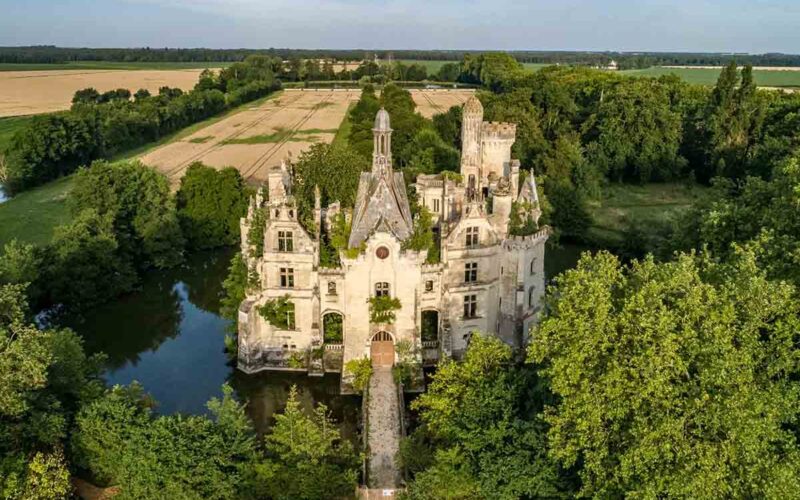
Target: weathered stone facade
[[487, 280]]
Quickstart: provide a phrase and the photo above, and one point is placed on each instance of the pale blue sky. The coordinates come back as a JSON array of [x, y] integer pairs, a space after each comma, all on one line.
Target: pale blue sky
[[682, 25]]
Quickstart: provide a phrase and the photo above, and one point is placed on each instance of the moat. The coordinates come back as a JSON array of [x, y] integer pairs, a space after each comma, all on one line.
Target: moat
[[169, 337]]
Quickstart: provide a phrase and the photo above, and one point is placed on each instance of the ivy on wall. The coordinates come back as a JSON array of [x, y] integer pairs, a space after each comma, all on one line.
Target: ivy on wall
[[279, 312], [381, 309]]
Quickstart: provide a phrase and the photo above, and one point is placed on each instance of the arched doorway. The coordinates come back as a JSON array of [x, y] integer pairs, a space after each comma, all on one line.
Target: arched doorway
[[381, 350]]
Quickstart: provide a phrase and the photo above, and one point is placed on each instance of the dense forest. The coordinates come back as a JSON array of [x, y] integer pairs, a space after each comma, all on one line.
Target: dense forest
[[665, 368], [52, 54]]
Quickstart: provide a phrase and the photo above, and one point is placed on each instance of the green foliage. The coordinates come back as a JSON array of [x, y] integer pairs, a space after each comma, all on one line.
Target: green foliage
[[121, 442], [333, 328], [137, 201], [210, 204], [521, 221], [759, 215], [674, 379], [422, 237], [334, 169], [255, 236], [635, 133], [408, 369], [382, 309], [360, 370], [44, 377], [235, 289], [306, 457], [484, 443], [84, 266], [100, 126], [278, 312], [489, 68]]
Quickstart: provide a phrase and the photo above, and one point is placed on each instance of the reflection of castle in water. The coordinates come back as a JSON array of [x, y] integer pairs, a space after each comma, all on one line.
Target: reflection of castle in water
[[487, 279]]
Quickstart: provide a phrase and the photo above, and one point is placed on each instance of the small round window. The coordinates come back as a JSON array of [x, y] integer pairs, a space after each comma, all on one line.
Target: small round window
[[382, 252]]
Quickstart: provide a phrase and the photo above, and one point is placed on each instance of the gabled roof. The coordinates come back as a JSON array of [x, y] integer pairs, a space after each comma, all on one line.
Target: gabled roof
[[381, 205]]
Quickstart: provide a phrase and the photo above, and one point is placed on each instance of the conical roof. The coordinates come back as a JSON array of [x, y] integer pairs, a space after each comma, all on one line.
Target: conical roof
[[473, 105], [382, 123]]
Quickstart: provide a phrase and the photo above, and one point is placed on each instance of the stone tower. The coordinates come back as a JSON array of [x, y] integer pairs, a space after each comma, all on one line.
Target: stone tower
[[471, 144], [382, 143]]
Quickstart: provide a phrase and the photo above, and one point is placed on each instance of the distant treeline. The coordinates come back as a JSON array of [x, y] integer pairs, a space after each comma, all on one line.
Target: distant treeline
[[626, 60], [103, 125]]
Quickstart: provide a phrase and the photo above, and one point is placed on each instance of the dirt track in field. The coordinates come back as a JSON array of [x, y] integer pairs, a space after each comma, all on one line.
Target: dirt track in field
[[431, 102], [259, 137], [31, 92]]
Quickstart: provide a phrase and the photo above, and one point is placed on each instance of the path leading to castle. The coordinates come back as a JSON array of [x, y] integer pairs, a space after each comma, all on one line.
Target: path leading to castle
[[384, 430]]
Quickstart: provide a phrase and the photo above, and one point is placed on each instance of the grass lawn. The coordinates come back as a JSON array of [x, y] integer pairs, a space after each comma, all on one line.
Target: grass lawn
[[8, 126], [708, 76], [343, 134], [621, 204], [33, 215], [86, 65]]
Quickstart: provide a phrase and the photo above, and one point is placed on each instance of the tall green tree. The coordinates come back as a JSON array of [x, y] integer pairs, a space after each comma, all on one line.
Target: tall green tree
[[487, 443], [306, 457], [210, 204], [673, 380]]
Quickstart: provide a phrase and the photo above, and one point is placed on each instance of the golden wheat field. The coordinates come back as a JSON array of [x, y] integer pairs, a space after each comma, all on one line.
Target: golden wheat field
[[259, 137], [32, 92]]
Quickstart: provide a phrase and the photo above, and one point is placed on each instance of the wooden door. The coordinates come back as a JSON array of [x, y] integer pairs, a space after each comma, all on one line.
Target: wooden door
[[382, 350]]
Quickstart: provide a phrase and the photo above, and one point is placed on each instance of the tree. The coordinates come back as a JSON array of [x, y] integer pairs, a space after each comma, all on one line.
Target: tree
[[210, 205], [44, 378], [674, 379], [306, 457], [121, 442], [334, 169], [486, 443], [137, 201], [635, 135], [84, 267]]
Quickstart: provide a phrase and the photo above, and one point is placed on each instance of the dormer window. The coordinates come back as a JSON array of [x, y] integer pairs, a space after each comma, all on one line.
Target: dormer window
[[472, 237], [285, 241]]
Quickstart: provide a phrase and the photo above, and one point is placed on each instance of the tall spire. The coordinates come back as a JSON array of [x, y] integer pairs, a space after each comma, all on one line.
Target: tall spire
[[382, 144]]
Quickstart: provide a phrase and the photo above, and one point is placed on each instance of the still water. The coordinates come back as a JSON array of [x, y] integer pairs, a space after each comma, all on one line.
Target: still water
[[3, 196], [169, 337]]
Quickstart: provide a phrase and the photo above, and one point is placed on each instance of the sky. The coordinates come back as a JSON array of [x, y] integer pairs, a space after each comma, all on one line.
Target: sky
[[754, 26]]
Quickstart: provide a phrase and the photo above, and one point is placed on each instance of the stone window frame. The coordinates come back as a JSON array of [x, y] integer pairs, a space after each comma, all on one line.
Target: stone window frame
[[429, 286], [473, 237], [470, 272], [530, 296], [286, 241], [286, 277], [331, 287], [533, 263], [290, 317], [470, 306], [436, 205], [382, 289]]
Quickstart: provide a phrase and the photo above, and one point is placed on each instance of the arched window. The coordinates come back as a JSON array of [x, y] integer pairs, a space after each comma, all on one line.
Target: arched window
[[533, 264], [382, 289]]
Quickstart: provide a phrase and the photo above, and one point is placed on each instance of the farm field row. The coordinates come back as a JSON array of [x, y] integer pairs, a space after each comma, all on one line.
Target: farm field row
[[32, 92], [708, 76], [106, 65], [259, 137]]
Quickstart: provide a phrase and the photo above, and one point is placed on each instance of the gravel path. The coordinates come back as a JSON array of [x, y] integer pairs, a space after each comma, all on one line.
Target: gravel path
[[384, 430]]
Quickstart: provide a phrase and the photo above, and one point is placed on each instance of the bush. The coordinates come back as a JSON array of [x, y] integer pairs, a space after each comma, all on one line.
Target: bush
[[361, 371], [210, 205]]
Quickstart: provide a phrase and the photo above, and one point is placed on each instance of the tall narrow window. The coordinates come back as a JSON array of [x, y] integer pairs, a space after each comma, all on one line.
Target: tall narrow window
[[287, 277], [470, 272], [290, 316], [285, 241], [531, 297], [472, 237], [382, 289], [436, 205], [470, 306], [533, 264]]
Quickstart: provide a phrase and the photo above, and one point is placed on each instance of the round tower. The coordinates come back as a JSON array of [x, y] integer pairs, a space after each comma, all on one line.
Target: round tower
[[471, 121]]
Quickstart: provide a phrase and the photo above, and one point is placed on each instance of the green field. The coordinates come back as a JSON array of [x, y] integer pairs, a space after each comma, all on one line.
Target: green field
[[654, 204], [433, 66], [33, 215], [708, 76], [8, 126], [111, 65]]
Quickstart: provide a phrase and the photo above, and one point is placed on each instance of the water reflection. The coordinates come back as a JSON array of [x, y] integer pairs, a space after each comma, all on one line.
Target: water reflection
[[3, 195], [169, 337]]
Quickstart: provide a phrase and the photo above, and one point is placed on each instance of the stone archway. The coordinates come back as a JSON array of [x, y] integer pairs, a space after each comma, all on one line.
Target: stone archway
[[381, 350]]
